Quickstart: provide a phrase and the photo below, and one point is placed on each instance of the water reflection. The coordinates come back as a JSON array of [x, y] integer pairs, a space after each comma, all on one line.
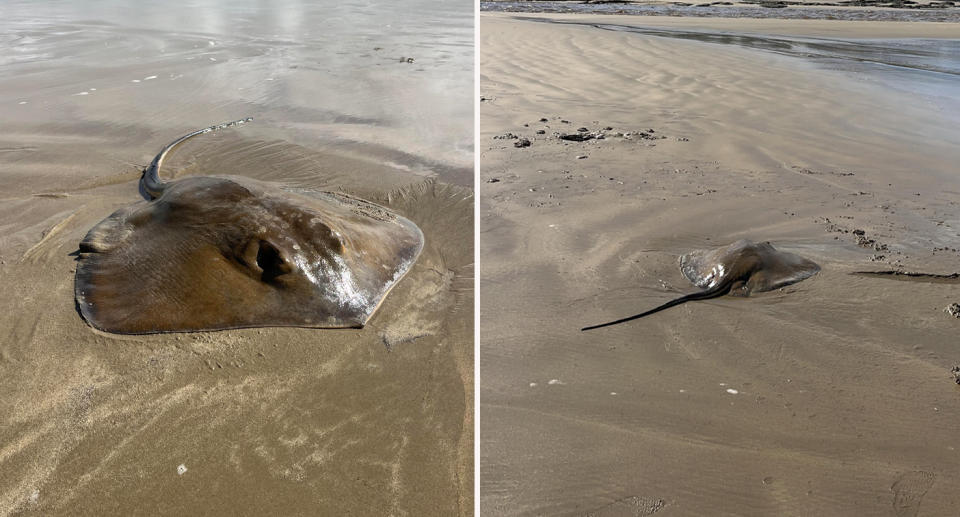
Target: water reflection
[[322, 70]]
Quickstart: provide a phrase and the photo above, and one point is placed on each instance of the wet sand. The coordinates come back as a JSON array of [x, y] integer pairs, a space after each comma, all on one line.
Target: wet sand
[[268, 421], [832, 396]]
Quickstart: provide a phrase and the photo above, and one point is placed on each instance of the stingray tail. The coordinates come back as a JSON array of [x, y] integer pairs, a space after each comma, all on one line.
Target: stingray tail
[[151, 186], [704, 295]]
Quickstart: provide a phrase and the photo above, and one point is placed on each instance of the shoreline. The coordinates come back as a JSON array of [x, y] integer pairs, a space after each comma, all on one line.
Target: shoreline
[[852, 29], [865, 107], [797, 10]]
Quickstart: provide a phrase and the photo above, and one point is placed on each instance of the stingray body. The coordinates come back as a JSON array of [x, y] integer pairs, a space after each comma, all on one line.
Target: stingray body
[[210, 253], [739, 269]]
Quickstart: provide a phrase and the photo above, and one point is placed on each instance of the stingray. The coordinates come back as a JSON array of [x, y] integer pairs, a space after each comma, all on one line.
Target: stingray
[[739, 269], [220, 252]]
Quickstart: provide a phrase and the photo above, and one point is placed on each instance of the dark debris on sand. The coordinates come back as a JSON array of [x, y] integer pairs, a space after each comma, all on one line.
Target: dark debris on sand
[[584, 134]]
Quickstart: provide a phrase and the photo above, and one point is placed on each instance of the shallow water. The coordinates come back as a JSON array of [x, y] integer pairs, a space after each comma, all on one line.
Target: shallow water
[[930, 55], [729, 11], [310, 72]]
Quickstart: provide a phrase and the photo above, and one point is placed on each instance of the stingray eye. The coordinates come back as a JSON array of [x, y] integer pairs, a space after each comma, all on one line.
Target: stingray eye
[[271, 262], [266, 260]]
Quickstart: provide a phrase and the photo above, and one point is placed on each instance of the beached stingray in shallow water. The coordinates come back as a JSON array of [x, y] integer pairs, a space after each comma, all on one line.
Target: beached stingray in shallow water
[[738, 269], [209, 253]]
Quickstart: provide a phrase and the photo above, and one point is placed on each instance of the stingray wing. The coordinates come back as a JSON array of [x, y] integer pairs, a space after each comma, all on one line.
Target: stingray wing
[[779, 269], [379, 247]]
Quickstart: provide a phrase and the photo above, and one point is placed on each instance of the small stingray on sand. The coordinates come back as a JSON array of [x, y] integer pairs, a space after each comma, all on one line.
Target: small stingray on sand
[[211, 253], [738, 269]]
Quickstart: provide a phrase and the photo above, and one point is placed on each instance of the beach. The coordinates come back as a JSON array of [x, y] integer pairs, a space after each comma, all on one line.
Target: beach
[[262, 421], [612, 145]]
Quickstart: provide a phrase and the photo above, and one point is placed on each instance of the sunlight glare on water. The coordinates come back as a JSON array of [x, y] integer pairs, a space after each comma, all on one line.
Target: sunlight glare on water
[[318, 70]]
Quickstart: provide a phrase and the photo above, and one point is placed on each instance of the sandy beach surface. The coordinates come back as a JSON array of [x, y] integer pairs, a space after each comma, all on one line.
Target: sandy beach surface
[[270, 421], [832, 396]]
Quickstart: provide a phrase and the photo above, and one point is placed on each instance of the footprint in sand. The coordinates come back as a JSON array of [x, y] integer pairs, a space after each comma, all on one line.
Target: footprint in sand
[[635, 506], [908, 490]]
